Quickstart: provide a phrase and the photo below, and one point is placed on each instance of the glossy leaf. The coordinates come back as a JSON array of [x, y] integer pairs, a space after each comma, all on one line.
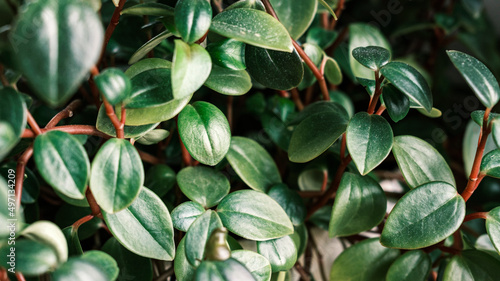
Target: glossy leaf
[[153, 137], [369, 140], [132, 266], [116, 176], [192, 19], [257, 264], [478, 76], [253, 27], [160, 179], [73, 241], [227, 270], [62, 162], [252, 4], [149, 9], [490, 164], [321, 37], [150, 45], [104, 262], [411, 266], [470, 141], [198, 234], [493, 227], [290, 201], [253, 164], [364, 261], [368, 84], [274, 69], [185, 214], [228, 81], [360, 204], [228, 53], [205, 132], [30, 257], [56, 43], [254, 215], [114, 85], [145, 227], [281, 253], [191, 67], [397, 104], [184, 271], [7, 139], [424, 216], [7, 214], [472, 265], [332, 72], [419, 162], [296, 16], [203, 185], [373, 57], [318, 107], [12, 121], [329, 5], [50, 234], [79, 269]]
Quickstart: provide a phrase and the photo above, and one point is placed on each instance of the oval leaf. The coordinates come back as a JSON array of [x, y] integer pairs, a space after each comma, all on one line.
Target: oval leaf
[[160, 179], [192, 19], [412, 266], [198, 234], [373, 57], [472, 265], [50, 234], [398, 104], [290, 201], [79, 269], [228, 53], [30, 257], [114, 85], [103, 261], [185, 214], [281, 253], [184, 271], [296, 16], [228, 81], [149, 9], [490, 164], [203, 185], [493, 227], [257, 264], [227, 270]]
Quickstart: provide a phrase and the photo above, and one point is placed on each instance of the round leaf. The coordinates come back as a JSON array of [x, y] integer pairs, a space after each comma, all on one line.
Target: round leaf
[[198, 234], [30, 257], [257, 264], [7, 139], [192, 19], [185, 214], [132, 266], [281, 253], [398, 104], [424, 216], [227, 270], [228, 53], [79, 269], [50, 234], [493, 227], [472, 265], [412, 266], [296, 16], [104, 125], [228, 81], [104, 262], [332, 72], [14, 113], [114, 85], [373, 57], [490, 164], [203, 185], [149, 9], [290, 201]]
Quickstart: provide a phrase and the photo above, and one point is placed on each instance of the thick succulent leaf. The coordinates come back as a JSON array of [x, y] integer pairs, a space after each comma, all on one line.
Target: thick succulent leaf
[[281, 253], [333, 72], [185, 214], [198, 234], [114, 85], [192, 19], [228, 53], [104, 125], [203, 185], [397, 103], [12, 121], [257, 264], [149, 9], [105, 262], [411, 266], [229, 81], [227, 270], [490, 164], [296, 16], [184, 271], [153, 137], [31, 258], [373, 57], [79, 269], [493, 227], [472, 265], [50, 234]]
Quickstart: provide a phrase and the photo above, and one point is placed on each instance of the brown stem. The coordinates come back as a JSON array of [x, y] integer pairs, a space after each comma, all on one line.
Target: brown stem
[[325, 181], [3, 79], [111, 27], [218, 5], [94, 207], [110, 111], [319, 255], [71, 129], [33, 124], [478, 215], [296, 99], [380, 110], [21, 166], [149, 158], [186, 157], [376, 95], [65, 113], [303, 274], [81, 221], [338, 12], [230, 111], [340, 38], [20, 276]]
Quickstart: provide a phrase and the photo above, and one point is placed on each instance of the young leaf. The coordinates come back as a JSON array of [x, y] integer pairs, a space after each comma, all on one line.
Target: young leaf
[[114, 85], [205, 132], [62, 162], [153, 137], [281, 253], [413, 265], [149, 9], [31, 258], [490, 164], [424, 216], [227, 270], [192, 19], [419, 162], [369, 140], [253, 164], [398, 104], [253, 27], [332, 71], [56, 43], [203, 185], [296, 16], [373, 57], [360, 204], [290, 201], [150, 45], [257, 264], [79, 269], [228, 81], [472, 265], [274, 69], [198, 235], [191, 67], [493, 227], [185, 214], [132, 266], [409, 81], [478, 76], [103, 261], [116, 176], [364, 261], [228, 53], [254, 215], [184, 271], [50, 234], [145, 227]]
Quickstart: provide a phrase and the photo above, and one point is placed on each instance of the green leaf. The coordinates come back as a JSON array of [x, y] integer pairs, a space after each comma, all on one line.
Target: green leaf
[[332, 72], [281, 253], [493, 227], [409, 81], [478, 76], [253, 164], [315, 134], [274, 69], [150, 45], [397, 104], [184, 271], [6, 213], [420, 162], [116, 176], [329, 6], [360, 204], [145, 227], [470, 141], [364, 261], [29, 257], [253, 27], [114, 85], [368, 84], [149, 9], [369, 140], [8, 139], [198, 234], [103, 261], [321, 37], [254, 215], [252, 4], [472, 265], [50, 234], [192, 19], [160, 179], [185, 214], [153, 137], [191, 67], [56, 43], [364, 35], [203, 185], [74, 246], [257, 264], [411, 266], [290, 201], [478, 116], [132, 266], [227, 270], [79, 269], [205, 132], [104, 125], [62, 162], [228, 53], [12, 121], [373, 57], [296, 16], [424, 216], [228, 81], [490, 164]]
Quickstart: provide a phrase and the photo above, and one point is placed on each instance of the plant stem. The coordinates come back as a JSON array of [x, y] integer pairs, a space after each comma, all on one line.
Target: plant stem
[[71, 129], [296, 99], [3, 79], [230, 100], [325, 180], [380, 110], [65, 113], [338, 12], [81, 221], [111, 27], [21, 166], [478, 215], [376, 95], [110, 111], [32, 122], [149, 158], [20, 276], [303, 274], [94, 207]]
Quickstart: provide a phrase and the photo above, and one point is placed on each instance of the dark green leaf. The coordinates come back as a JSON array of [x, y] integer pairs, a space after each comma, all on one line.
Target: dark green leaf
[[319, 107], [227, 270], [281, 252], [205, 132], [149, 9], [29, 257], [56, 43], [145, 227], [274, 69], [257, 264], [153, 137], [150, 45], [184, 271], [368, 84], [203, 185], [412, 266], [490, 164], [300, 238], [79, 269], [192, 19], [74, 246], [365, 261], [48, 233], [296, 16], [228, 81], [185, 214], [253, 27], [132, 266], [252, 4], [104, 262], [12, 121], [104, 125], [114, 85], [7, 139], [253, 164], [321, 37], [369, 140], [31, 186], [228, 53], [478, 76], [160, 179], [472, 265], [398, 104], [290, 201], [254, 215], [117, 175], [409, 81], [360, 204], [198, 235], [493, 227], [424, 216], [373, 57], [419, 162], [62, 162]]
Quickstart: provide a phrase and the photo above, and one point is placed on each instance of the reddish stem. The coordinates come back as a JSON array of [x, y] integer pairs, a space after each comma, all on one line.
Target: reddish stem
[[32, 122], [376, 95], [65, 113], [21, 166], [296, 99], [71, 129], [115, 19], [230, 111], [186, 157], [94, 207], [325, 181], [478, 215], [149, 158], [110, 111], [380, 110], [81, 221], [3, 79], [20, 276]]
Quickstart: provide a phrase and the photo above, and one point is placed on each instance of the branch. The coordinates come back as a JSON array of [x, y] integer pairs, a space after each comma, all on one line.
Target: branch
[[96, 210], [21, 166], [32, 122], [70, 129], [115, 19], [296, 99], [376, 95], [65, 113], [81, 221], [149, 158], [478, 215]]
